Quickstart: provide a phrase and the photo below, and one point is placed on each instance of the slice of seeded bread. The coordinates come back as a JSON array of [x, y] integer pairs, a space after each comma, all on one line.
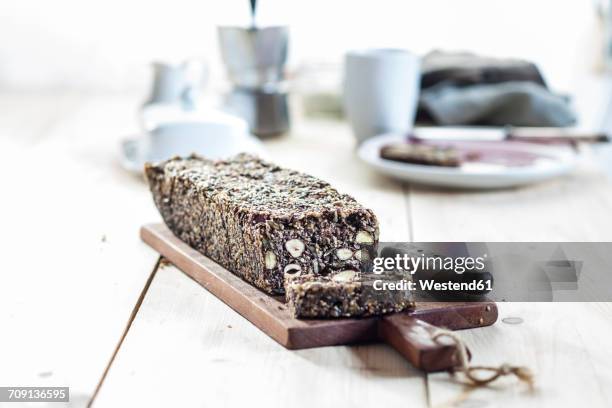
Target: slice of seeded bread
[[343, 294]]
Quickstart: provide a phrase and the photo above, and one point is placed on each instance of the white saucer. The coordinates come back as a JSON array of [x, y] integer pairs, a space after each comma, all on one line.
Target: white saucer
[[551, 162]]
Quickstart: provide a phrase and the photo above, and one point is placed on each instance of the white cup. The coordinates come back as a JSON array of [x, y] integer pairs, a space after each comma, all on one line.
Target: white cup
[[218, 136], [381, 91]]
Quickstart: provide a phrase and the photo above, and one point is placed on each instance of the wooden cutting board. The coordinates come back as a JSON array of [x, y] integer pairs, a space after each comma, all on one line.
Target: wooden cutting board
[[408, 332]]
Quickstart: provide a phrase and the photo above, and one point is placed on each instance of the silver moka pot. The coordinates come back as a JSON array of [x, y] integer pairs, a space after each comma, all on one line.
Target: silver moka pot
[[255, 60]]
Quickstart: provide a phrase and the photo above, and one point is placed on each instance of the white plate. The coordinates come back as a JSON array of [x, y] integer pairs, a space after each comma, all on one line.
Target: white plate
[[550, 162]]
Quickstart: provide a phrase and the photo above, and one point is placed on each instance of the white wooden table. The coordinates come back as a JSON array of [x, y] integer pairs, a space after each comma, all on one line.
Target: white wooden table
[[83, 303]]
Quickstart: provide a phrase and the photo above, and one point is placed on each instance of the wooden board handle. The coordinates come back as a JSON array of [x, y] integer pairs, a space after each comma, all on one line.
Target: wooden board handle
[[413, 338]]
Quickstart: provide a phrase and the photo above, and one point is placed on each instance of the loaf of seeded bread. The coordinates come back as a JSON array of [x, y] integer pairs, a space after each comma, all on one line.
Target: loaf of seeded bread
[[260, 220], [346, 293]]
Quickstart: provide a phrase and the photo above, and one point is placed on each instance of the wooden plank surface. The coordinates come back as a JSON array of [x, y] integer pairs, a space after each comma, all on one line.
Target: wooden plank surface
[[557, 341], [363, 375], [65, 306], [186, 348], [360, 373], [563, 343], [73, 264]]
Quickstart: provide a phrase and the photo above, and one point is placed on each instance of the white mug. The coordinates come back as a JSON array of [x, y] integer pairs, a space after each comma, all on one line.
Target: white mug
[[217, 135], [381, 91]]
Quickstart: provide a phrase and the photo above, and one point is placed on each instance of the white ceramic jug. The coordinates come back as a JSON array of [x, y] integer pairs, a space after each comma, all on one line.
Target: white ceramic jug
[[176, 83]]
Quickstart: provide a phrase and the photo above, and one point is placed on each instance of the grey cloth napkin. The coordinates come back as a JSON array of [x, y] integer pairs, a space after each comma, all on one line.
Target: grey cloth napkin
[[463, 69], [517, 103]]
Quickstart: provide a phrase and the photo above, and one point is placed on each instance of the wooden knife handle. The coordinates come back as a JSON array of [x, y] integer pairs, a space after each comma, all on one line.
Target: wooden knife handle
[[413, 338]]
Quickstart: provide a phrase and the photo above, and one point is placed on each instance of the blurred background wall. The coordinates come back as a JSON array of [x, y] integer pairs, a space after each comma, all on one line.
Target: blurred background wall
[[107, 45]]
